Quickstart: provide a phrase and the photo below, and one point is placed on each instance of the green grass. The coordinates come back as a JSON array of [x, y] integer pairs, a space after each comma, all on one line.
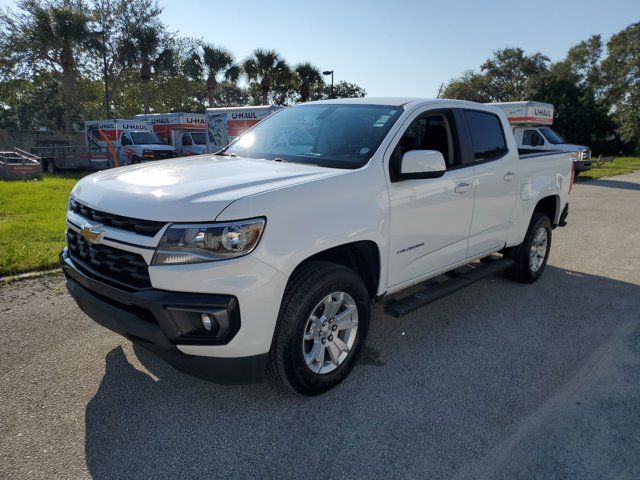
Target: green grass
[[32, 216], [619, 166], [32, 220]]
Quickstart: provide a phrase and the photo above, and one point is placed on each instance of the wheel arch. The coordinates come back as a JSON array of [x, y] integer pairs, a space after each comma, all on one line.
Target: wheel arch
[[549, 206], [363, 257]]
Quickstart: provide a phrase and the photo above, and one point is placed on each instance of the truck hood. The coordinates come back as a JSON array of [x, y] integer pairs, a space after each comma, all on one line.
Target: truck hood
[[191, 189]]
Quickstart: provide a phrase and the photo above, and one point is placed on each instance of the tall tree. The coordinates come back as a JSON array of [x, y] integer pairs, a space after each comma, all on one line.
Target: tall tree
[[344, 89], [48, 35], [470, 86], [218, 60], [265, 67], [119, 22], [309, 81], [621, 70]]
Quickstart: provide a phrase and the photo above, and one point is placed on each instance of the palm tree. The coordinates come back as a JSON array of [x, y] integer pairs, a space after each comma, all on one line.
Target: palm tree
[[54, 34], [264, 67], [144, 48], [218, 60], [308, 78]]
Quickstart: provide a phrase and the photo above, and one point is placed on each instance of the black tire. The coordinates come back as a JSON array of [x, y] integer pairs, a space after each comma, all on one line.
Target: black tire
[[521, 271], [135, 160], [50, 166], [306, 288]]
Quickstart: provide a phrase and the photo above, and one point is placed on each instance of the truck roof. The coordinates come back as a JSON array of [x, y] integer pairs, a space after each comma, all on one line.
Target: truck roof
[[395, 101]]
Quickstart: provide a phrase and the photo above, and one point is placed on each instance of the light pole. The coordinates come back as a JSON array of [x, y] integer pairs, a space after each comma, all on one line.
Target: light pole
[[329, 72], [105, 71]]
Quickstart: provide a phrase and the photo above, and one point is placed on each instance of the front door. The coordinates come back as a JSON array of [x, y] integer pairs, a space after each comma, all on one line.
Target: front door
[[430, 218]]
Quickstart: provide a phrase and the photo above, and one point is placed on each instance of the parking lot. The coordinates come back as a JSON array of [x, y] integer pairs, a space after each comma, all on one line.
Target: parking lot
[[500, 380]]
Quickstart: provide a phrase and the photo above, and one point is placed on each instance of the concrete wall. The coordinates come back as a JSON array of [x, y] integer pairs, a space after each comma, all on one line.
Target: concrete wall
[[25, 139]]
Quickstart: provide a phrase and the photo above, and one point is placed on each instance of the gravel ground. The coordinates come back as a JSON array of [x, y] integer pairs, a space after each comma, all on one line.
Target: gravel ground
[[500, 380]]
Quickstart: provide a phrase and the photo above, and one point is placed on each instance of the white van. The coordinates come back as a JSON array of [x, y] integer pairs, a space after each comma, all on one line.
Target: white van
[[133, 141], [531, 123], [186, 132]]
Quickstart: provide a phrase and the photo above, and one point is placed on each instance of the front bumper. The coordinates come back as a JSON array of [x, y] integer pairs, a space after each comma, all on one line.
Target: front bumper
[[158, 320], [582, 165]]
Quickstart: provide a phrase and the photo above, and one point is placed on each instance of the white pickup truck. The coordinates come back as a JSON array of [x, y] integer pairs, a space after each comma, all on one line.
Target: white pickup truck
[[269, 254]]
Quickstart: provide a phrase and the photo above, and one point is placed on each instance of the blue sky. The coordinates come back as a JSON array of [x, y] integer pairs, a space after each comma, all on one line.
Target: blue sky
[[401, 47], [396, 47]]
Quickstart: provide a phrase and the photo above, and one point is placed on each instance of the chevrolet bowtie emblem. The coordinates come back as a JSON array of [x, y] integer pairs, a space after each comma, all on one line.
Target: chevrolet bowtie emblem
[[92, 233]]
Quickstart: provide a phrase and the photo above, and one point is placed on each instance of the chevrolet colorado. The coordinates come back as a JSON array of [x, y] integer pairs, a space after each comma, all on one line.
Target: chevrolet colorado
[[267, 255]]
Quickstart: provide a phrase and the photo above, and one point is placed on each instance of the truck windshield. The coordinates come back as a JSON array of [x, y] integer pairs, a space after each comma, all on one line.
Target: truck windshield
[[146, 138], [199, 138], [551, 136], [328, 135]]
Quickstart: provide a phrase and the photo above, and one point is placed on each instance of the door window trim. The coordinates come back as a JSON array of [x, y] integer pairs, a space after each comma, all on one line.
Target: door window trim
[[456, 137]]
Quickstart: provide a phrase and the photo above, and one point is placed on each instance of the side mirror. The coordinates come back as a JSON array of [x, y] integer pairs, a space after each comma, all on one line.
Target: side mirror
[[422, 164]]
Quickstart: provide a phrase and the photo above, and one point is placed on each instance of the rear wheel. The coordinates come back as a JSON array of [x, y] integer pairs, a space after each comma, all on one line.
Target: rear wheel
[[532, 254], [323, 323], [50, 166]]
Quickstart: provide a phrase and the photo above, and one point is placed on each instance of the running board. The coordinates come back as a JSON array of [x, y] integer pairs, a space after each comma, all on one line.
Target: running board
[[461, 278]]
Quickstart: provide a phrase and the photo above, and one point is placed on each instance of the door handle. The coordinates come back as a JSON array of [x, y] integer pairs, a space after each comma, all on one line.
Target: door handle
[[462, 187], [509, 176]]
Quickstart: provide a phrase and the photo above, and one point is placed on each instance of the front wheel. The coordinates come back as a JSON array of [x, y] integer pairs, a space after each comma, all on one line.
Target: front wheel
[[323, 323], [532, 254]]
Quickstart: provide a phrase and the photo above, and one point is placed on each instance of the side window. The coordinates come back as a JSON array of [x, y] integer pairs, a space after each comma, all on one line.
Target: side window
[[486, 133], [532, 138], [186, 140], [431, 131], [125, 140]]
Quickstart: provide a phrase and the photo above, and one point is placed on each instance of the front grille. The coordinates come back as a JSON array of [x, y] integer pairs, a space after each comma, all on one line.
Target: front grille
[[144, 227], [161, 154], [108, 264]]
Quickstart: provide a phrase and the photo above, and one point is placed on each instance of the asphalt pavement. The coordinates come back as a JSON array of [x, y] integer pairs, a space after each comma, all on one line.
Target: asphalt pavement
[[499, 380]]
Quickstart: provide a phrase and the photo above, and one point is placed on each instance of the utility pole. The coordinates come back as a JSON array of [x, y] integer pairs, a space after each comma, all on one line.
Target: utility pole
[[106, 74], [105, 71], [440, 90]]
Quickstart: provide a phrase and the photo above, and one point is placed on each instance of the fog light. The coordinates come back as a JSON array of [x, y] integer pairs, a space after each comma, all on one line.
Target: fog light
[[207, 321]]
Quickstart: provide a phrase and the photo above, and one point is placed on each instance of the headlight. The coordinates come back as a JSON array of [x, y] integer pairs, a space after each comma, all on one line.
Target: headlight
[[197, 243]]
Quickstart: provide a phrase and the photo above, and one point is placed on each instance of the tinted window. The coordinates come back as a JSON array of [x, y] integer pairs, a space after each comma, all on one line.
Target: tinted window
[[486, 134], [532, 138]]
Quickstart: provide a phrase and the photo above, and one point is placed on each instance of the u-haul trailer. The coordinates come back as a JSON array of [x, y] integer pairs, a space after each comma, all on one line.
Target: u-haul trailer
[[527, 113], [531, 123], [133, 141], [227, 123], [186, 132]]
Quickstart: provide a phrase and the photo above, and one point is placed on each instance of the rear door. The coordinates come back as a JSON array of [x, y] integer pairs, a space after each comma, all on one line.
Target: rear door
[[496, 176], [430, 218]]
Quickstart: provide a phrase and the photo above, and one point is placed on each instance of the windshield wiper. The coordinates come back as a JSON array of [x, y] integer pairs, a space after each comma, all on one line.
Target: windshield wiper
[[223, 153]]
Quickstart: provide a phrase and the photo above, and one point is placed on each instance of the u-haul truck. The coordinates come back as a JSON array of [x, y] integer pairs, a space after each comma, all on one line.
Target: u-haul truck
[[531, 123], [186, 132], [130, 141], [228, 123]]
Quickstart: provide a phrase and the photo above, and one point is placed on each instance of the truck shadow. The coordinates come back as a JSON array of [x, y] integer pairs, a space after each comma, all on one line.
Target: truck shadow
[[440, 384], [614, 184]]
